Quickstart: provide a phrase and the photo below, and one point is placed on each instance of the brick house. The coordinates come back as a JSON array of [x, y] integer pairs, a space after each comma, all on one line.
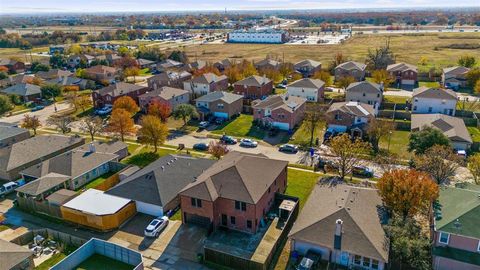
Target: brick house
[[434, 100], [365, 92], [12, 65], [219, 104], [235, 193], [349, 116], [455, 77], [281, 111], [455, 228], [102, 74], [352, 69], [253, 87], [169, 95], [206, 83], [312, 90], [169, 78], [223, 64], [109, 94], [405, 75], [307, 67]]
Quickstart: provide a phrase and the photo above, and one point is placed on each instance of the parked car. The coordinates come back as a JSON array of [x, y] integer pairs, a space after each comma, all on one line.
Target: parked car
[[156, 226], [104, 110], [8, 188], [281, 86], [38, 108], [228, 139], [310, 261], [219, 120], [200, 146], [290, 148], [203, 124], [248, 143], [362, 171]]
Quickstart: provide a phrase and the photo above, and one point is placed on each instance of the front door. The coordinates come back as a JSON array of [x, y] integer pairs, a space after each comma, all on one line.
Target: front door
[[224, 220]]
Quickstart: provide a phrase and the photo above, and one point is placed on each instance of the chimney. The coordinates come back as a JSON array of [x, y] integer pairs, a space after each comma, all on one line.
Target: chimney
[[338, 227], [91, 147], [337, 240]]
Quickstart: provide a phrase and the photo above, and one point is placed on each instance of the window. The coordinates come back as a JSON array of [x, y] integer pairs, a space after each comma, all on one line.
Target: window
[[415, 108], [374, 264], [232, 220], [430, 109], [444, 237], [357, 259], [240, 206], [220, 106], [196, 203], [364, 94], [366, 262], [249, 224]]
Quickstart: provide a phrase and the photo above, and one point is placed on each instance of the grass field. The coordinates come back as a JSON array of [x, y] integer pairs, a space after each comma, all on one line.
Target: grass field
[[145, 156], [398, 143], [241, 126], [99, 262], [302, 135]]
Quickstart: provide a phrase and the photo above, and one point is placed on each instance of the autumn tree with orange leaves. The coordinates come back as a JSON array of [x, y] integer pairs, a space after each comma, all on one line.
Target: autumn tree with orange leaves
[[207, 69], [127, 103], [121, 123], [407, 192], [162, 110]]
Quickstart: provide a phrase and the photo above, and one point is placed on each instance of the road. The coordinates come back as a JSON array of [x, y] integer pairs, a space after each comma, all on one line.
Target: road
[[42, 114]]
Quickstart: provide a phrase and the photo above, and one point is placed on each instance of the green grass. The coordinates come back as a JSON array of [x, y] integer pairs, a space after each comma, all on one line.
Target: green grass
[[300, 184], [475, 133], [302, 134], [100, 262], [394, 99], [241, 126], [145, 72], [146, 156], [398, 143], [55, 259], [4, 227], [177, 215], [97, 181], [429, 84]]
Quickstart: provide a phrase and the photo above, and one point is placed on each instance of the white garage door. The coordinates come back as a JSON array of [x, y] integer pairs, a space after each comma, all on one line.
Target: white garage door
[[221, 114], [282, 126], [408, 82], [149, 209]]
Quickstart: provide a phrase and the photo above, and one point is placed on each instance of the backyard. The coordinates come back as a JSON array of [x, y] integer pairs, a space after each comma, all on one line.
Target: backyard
[[398, 143], [241, 126], [99, 262]]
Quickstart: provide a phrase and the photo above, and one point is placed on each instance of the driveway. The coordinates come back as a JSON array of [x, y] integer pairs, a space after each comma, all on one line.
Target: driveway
[[42, 114]]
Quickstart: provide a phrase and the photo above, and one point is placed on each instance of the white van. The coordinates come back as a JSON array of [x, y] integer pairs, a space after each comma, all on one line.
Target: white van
[[8, 188]]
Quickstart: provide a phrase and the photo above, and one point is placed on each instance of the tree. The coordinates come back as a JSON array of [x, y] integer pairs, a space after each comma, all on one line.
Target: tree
[[233, 74], [382, 76], [185, 112], [179, 56], [272, 74], [71, 98], [161, 110], [420, 141], [380, 58], [337, 59], [57, 60], [248, 69], [217, 149], [468, 61], [131, 72], [84, 102], [474, 166], [153, 131], [61, 122], [423, 61], [92, 125], [440, 161], [325, 76], [473, 76], [296, 76], [36, 67], [376, 130], [286, 69], [347, 153], [5, 104], [31, 122], [407, 192], [313, 116], [121, 123], [127, 103], [51, 90], [345, 81], [3, 75], [476, 89]]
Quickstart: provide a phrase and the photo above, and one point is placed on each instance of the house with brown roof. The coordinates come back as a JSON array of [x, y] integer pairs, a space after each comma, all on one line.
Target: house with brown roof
[[109, 94], [343, 224], [405, 75], [53, 74], [206, 83], [350, 69], [112, 58], [312, 90], [145, 63], [307, 67], [267, 64], [15, 257], [219, 104], [452, 127], [13, 66], [169, 95], [170, 65], [100, 73], [281, 111], [349, 116], [253, 87], [169, 78], [235, 193], [223, 64], [72, 82], [16, 79], [11, 134], [455, 77], [365, 92], [434, 100]]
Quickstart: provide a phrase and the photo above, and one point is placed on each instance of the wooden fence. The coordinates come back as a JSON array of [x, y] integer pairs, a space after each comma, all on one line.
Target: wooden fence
[[44, 207]]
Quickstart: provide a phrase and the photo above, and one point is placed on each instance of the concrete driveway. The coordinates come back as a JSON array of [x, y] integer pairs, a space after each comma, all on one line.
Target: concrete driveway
[[42, 114]]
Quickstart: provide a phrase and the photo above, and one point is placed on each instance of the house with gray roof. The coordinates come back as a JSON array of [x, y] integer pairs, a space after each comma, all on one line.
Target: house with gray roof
[[26, 91], [11, 134], [365, 92], [281, 111], [219, 104], [13, 256], [236, 192], [53, 74], [312, 90], [167, 95], [452, 127], [223, 64], [72, 82], [350, 69], [434, 100], [350, 117], [109, 94], [405, 75], [266, 64], [22, 155], [344, 225], [206, 83], [155, 187], [307, 67], [169, 78], [456, 235], [455, 77], [115, 147], [253, 87]]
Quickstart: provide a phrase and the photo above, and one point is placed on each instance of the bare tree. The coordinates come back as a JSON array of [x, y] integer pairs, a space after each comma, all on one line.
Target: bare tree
[[92, 125], [347, 153], [440, 161], [381, 57], [61, 122], [313, 116]]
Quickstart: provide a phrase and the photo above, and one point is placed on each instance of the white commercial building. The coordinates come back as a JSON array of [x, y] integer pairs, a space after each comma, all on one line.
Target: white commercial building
[[258, 36]]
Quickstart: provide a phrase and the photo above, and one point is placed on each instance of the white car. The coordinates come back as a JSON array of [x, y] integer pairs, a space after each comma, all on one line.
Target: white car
[[156, 226], [248, 143], [204, 124], [8, 188]]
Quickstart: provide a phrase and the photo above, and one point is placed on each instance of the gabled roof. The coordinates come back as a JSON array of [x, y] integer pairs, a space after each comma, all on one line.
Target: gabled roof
[[53, 73], [12, 254], [457, 70], [225, 63], [358, 208], [66, 81], [267, 62], [352, 65], [61, 196], [170, 76], [142, 62], [460, 203], [237, 176], [437, 93], [208, 78], [166, 92], [110, 147], [253, 80], [42, 184], [452, 127], [100, 69], [21, 78], [307, 63], [7, 62], [353, 108], [401, 67], [22, 89], [288, 103], [364, 87], [119, 89], [307, 83], [226, 97], [159, 182], [11, 131]]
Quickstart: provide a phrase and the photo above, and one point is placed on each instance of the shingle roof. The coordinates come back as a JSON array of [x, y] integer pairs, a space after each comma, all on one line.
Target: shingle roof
[[454, 128], [364, 87], [438, 93], [159, 182], [65, 81], [42, 184], [460, 203], [142, 62], [307, 63], [12, 254], [165, 92], [110, 147], [358, 208], [170, 76], [53, 73], [61, 196], [253, 80], [289, 103], [22, 89], [457, 70], [119, 89], [208, 78], [352, 65], [401, 67], [267, 62], [307, 83], [237, 176], [10, 131], [353, 108], [7, 62], [101, 69], [227, 97]]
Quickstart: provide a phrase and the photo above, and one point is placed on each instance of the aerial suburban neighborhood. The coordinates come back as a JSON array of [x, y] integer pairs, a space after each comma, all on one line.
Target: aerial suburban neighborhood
[[258, 135]]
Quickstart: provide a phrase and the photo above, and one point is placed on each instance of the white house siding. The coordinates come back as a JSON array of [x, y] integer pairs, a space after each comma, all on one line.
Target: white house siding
[[430, 105], [197, 89], [149, 209], [310, 94], [371, 99]]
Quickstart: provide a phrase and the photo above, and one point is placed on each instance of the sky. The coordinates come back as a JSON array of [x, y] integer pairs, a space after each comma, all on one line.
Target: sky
[[90, 6]]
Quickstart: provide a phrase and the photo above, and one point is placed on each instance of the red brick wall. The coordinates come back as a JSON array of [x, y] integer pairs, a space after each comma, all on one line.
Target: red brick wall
[[205, 211], [219, 86], [405, 75], [253, 92], [460, 242]]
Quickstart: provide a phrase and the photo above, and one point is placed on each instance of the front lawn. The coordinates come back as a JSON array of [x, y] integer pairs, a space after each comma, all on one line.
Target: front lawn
[[398, 143], [429, 84], [302, 134], [241, 126], [300, 184], [100, 262], [146, 156]]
